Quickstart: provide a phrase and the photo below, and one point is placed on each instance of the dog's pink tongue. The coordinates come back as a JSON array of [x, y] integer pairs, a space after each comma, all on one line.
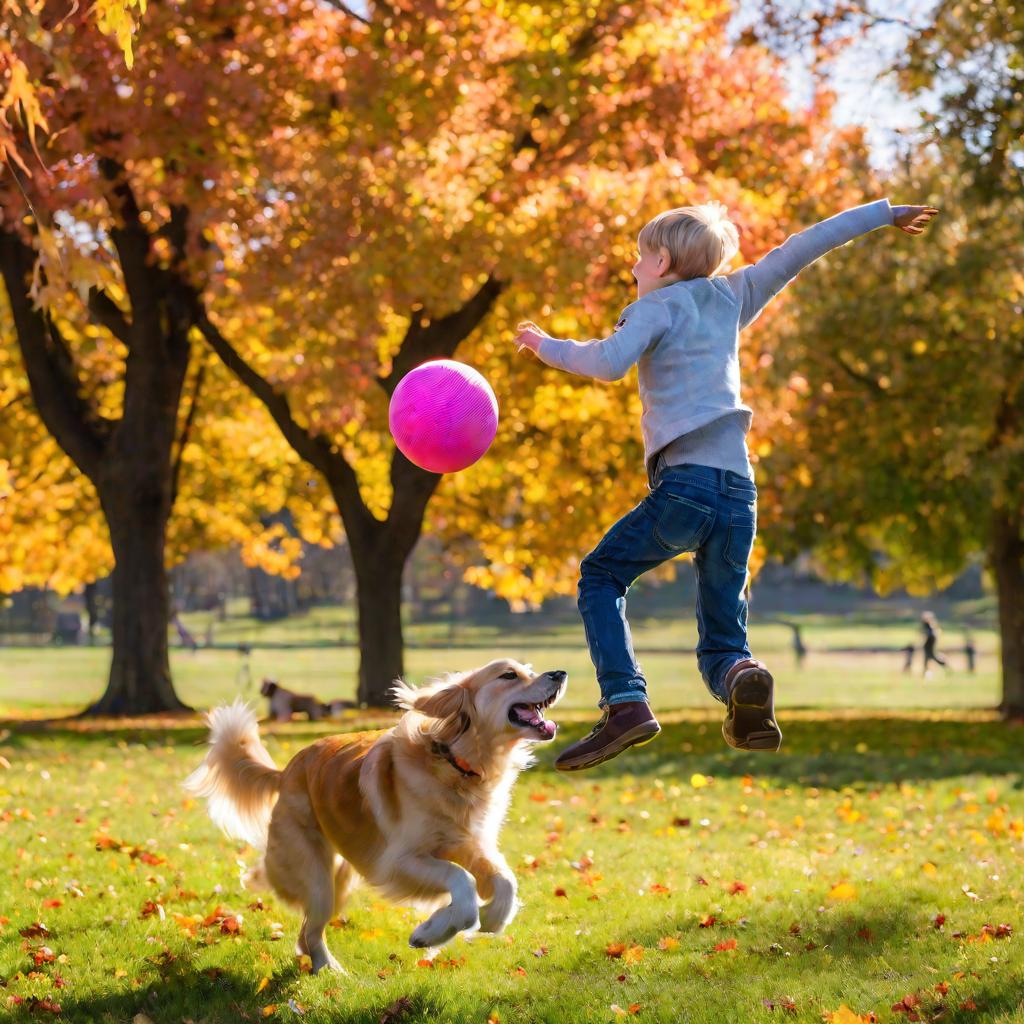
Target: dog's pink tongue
[[548, 728]]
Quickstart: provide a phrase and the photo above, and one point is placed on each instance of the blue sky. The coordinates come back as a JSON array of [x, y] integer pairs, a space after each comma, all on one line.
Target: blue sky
[[864, 96]]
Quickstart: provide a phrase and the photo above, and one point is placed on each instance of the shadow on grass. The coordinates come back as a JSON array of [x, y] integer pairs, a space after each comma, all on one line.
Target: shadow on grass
[[819, 751], [820, 748], [221, 997]]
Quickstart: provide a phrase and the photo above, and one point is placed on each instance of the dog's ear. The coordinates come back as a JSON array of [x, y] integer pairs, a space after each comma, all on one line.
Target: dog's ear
[[446, 702]]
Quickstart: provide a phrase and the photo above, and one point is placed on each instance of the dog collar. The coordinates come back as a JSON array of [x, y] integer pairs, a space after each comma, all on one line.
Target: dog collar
[[461, 765]]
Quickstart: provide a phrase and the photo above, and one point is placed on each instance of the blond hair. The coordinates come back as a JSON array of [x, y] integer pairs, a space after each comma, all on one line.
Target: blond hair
[[699, 239]]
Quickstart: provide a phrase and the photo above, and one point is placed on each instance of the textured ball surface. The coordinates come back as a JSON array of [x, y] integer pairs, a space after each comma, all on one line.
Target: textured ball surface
[[443, 416]]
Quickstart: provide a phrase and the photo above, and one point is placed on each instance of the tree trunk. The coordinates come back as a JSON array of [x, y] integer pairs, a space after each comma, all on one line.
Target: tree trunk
[[129, 460], [381, 645], [91, 609], [140, 673], [1007, 562]]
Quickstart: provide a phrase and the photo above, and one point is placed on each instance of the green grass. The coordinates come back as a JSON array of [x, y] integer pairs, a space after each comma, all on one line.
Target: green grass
[[909, 812], [58, 679]]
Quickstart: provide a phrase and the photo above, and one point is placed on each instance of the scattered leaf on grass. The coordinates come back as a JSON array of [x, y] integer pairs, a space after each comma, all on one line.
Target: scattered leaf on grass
[[908, 1007], [842, 892], [46, 1005], [633, 955], [398, 1010], [844, 1015]]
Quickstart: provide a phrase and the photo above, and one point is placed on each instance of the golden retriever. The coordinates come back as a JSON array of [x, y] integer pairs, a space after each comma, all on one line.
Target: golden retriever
[[415, 811]]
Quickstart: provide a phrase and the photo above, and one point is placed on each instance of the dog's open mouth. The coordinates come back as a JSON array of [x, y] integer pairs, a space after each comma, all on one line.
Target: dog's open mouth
[[531, 716]]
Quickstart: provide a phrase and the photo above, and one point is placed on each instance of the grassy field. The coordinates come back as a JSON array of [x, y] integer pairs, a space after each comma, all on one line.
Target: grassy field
[[872, 871], [877, 865], [51, 680]]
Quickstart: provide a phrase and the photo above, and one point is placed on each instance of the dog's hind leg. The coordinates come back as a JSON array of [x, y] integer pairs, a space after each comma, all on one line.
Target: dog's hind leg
[[344, 882], [300, 865], [431, 875]]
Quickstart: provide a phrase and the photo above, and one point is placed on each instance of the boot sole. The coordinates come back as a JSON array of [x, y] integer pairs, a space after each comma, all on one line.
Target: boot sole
[[636, 737], [751, 702]]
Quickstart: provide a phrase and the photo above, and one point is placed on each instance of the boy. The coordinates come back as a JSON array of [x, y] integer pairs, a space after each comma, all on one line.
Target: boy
[[684, 332]]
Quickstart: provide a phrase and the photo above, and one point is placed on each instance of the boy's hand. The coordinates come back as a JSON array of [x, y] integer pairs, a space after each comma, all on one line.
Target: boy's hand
[[913, 219], [529, 336]]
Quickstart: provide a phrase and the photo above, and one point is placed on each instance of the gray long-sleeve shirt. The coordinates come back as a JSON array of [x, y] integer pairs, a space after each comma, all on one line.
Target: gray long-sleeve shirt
[[685, 337]]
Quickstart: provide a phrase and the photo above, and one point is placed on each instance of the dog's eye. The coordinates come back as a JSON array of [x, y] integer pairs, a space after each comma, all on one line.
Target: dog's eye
[[510, 674]]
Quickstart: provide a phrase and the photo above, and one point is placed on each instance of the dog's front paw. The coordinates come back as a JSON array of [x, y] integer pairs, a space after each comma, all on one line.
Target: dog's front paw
[[443, 926]]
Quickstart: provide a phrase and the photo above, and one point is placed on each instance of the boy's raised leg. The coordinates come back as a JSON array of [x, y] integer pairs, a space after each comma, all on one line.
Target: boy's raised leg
[[744, 685]]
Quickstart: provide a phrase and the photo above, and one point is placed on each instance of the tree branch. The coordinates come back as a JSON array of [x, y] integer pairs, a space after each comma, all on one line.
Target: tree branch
[[50, 368], [107, 313], [132, 241], [186, 430], [862, 378], [345, 9], [176, 231], [316, 449], [21, 396], [431, 339]]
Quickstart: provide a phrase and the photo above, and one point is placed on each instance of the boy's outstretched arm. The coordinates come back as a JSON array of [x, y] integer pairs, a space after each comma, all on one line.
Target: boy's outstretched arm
[[641, 325], [756, 285]]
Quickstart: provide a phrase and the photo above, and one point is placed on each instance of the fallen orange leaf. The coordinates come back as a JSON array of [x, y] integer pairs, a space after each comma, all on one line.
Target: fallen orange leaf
[[844, 1015], [633, 955], [843, 891]]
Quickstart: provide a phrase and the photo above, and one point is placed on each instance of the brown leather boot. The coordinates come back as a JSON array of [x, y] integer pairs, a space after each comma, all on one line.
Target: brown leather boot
[[629, 724], [750, 721]]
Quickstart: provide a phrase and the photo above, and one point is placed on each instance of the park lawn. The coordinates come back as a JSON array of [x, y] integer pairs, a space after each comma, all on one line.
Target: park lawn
[[48, 680], [879, 859]]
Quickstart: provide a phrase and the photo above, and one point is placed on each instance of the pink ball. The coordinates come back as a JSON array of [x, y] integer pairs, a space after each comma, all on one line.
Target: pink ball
[[443, 416]]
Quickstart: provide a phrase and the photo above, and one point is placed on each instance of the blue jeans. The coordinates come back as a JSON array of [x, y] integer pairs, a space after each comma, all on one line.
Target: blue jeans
[[711, 512]]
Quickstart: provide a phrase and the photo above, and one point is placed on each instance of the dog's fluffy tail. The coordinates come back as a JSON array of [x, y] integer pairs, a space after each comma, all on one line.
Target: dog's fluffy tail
[[238, 778]]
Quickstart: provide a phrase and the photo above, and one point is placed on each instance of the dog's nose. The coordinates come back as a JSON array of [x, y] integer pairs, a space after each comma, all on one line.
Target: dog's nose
[[559, 675]]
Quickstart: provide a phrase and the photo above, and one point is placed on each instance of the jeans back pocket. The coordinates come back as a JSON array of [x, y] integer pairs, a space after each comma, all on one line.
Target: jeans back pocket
[[683, 524], [740, 541]]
